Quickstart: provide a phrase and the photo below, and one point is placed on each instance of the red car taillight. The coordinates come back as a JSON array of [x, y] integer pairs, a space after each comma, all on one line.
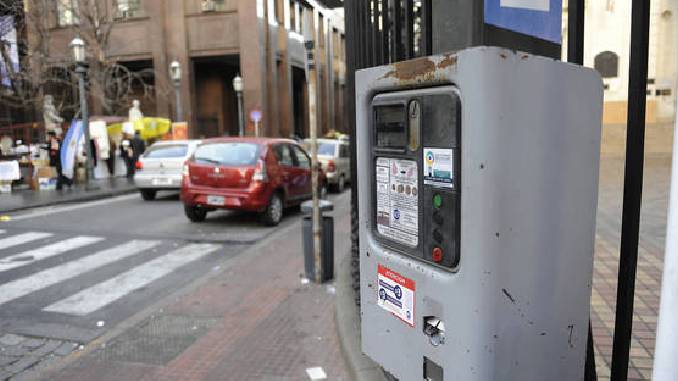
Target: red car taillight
[[139, 165], [260, 172], [331, 167]]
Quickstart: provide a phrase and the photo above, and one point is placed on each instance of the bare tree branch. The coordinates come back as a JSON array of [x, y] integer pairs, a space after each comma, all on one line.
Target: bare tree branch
[[110, 84]]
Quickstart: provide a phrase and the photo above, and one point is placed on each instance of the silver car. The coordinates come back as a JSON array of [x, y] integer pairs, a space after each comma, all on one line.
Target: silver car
[[335, 157], [159, 168]]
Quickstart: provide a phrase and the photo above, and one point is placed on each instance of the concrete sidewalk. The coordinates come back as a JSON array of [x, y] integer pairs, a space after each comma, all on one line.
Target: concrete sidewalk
[[27, 199], [255, 318]]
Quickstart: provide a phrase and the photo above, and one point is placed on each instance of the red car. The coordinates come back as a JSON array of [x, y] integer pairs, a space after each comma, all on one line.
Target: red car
[[252, 174]]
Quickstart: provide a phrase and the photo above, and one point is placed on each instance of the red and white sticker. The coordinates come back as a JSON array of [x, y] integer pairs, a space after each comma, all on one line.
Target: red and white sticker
[[396, 294]]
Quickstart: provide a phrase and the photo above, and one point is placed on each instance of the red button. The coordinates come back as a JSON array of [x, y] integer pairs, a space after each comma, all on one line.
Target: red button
[[437, 254]]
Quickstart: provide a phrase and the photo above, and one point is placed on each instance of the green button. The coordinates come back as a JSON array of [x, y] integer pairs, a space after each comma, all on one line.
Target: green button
[[437, 201]]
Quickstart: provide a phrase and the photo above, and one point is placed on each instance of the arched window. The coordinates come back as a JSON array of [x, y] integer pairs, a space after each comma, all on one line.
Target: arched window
[[607, 64]]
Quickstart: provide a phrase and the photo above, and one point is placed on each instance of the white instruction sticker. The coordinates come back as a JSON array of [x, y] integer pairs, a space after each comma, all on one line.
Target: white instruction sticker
[[439, 167], [396, 294], [534, 5], [397, 201]]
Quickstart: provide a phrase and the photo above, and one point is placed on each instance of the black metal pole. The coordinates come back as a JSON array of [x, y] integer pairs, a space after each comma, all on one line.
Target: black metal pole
[[427, 27], [409, 29], [398, 50], [575, 31], [89, 162], [385, 32], [575, 54], [633, 188]]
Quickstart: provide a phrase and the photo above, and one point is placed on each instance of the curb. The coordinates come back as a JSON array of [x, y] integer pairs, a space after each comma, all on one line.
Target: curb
[[72, 200], [348, 326]]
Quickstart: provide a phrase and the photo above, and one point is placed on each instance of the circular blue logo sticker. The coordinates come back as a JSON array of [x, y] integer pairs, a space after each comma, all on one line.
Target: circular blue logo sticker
[[398, 292], [396, 214]]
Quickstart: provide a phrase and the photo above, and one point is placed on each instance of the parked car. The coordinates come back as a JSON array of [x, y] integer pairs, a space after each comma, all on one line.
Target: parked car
[[252, 174], [159, 168], [335, 158]]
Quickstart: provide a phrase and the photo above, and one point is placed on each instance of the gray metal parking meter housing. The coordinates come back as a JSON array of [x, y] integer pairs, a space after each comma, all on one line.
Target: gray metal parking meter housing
[[478, 195]]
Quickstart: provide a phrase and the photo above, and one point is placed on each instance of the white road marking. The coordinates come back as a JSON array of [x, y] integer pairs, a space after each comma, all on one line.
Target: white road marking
[[48, 251], [43, 279], [2, 231], [102, 294], [70, 208], [20, 239]]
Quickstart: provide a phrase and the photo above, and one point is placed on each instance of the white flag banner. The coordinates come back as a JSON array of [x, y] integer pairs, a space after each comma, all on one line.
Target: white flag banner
[[69, 148]]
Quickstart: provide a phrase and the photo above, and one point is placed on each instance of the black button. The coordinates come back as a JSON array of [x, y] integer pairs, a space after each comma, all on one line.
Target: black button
[[437, 236], [438, 218]]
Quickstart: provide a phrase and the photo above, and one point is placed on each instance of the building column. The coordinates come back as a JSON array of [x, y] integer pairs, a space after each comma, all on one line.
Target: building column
[[176, 46], [253, 29]]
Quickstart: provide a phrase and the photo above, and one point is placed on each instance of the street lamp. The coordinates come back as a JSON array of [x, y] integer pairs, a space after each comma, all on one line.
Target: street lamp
[[238, 86], [78, 47], [175, 74]]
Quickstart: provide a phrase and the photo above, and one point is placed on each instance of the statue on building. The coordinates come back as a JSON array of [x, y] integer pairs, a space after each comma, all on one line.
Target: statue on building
[[135, 111], [51, 116]]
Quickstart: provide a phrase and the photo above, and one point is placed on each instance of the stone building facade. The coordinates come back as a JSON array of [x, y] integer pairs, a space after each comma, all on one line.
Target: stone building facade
[[215, 40]]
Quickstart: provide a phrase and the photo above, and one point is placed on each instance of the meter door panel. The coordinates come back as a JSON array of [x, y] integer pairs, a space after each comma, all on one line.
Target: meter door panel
[[416, 170]]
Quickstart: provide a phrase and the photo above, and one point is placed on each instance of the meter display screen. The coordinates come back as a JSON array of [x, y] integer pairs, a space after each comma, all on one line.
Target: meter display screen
[[391, 126]]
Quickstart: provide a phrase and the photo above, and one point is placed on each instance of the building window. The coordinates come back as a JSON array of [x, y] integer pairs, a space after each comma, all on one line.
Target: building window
[[126, 9], [663, 92], [213, 5], [293, 16], [607, 64], [67, 12]]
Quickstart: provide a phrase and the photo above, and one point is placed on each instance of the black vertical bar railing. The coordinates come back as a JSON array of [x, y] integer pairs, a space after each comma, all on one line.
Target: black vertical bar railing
[[426, 28], [369, 33], [409, 29], [385, 33], [375, 32], [575, 54], [398, 48], [633, 188]]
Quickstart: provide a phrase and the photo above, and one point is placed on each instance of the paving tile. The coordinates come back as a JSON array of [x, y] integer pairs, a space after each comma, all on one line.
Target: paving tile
[[650, 262], [33, 343], [23, 364], [16, 350], [49, 347], [10, 339], [65, 349], [5, 360]]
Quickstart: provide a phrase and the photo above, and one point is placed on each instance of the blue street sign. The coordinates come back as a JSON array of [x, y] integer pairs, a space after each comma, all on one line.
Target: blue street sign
[[537, 18], [255, 115]]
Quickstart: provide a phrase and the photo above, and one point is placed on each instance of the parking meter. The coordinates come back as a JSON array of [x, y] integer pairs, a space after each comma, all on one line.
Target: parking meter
[[478, 192]]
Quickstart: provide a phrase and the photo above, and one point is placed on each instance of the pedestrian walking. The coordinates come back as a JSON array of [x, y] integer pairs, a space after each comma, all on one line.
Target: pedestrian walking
[[131, 150], [53, 146]]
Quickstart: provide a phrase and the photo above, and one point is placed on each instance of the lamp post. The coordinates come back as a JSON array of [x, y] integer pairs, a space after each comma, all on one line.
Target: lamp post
[[238, 86], [175, 74], [78, 47]]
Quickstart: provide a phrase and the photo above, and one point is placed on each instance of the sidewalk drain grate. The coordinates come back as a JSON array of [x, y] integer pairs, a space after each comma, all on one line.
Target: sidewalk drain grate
[[157, 340]]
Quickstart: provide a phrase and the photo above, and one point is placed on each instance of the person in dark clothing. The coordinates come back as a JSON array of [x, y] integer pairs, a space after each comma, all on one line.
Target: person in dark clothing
[[131, 151], [53, 146]]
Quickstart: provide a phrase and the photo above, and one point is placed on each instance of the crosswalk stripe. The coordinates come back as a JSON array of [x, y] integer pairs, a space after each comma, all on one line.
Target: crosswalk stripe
[[20, 239], [30, 256], [3, 231], [43, 279], [102, 294]]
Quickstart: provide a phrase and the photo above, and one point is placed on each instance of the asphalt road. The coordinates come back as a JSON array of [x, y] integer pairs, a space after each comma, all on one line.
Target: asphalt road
[[70, 273]]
